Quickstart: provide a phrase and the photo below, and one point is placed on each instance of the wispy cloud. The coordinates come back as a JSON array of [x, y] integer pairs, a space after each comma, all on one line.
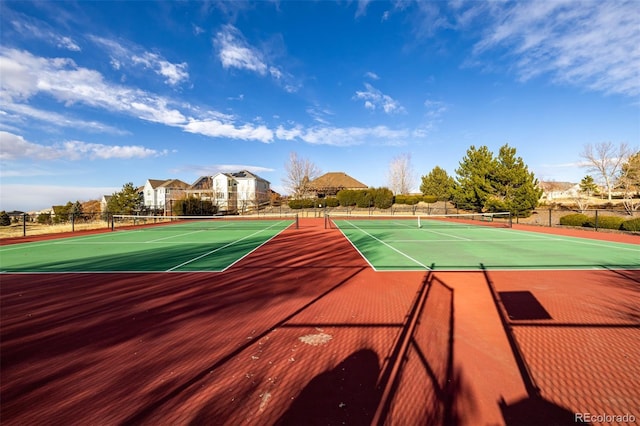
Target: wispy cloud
[[375, 99], [40, 30], [587, 44], [371, 75], [234, 51], [132, 55], [27, 75], [15, 147], [344, 136], [591, 44]]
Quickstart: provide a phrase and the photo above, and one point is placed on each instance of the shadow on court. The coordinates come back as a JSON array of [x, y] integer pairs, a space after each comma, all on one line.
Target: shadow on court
[[303, 329], [569, 329]]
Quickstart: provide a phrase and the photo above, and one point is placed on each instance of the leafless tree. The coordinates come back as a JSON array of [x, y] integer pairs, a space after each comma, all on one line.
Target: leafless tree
[[629, 183], [605, 159], [300, 172], [401, 176]]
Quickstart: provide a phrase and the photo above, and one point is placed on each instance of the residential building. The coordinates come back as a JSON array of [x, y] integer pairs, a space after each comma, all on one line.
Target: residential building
[[158, 194], [232, 192], [329, 184]]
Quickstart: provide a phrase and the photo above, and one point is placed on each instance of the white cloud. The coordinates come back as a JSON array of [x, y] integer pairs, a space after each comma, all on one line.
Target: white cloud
[[23, 110], [217, 129], [15, 147], [362, 8], [41, 30], [344, 136], [591, 44], [371, 75], [132, 55], [235, 52], [174, 73], [375, 99]]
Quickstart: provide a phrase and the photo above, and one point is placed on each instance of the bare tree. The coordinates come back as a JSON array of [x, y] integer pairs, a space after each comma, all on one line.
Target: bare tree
[[606, 159], [401, 176], [300, 172], [629, 183]]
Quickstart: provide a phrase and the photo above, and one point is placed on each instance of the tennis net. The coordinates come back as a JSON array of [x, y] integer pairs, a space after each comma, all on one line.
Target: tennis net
[[257, 222], [346, 221]]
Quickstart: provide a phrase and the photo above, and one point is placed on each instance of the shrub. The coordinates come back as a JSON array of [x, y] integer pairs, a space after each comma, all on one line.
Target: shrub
[[430, 199], [364, 198], [408, 199], [576, 219], [306, 203], [631, 225], [332, 202], [605, 222], [347, 197], [382, 198]]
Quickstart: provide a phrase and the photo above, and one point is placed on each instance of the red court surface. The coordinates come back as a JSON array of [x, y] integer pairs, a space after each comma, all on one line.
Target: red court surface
[[304, 332]]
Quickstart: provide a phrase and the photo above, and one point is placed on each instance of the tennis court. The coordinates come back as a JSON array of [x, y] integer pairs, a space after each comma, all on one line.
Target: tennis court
[[150, 244], [472, 242]]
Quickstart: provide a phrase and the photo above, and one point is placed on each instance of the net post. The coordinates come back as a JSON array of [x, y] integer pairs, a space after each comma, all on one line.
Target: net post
[[510, 220], [112, 224], [297, 222]]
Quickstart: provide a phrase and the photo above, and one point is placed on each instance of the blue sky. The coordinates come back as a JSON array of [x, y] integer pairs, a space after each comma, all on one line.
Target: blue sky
[[98, 94]]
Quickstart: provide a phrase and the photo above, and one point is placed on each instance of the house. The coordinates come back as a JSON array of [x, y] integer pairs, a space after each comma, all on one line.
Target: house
[[559, 190], [103, 203], [329, 184], [159, 194], [232, 192]]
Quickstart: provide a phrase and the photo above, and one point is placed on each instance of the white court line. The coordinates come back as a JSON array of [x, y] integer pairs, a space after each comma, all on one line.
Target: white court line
[[229, 266], [173, 236], [392, 248], [220, 248], [67, 240]]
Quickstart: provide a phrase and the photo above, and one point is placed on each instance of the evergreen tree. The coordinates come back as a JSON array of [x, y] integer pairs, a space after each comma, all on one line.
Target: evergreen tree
[[474, 179], [438, 183], [485, 183], [5, 219], [588, 185], [126, 201], [515, 189]]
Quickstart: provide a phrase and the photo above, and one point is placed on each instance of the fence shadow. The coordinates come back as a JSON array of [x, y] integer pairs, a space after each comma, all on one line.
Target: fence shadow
[[534, 409]]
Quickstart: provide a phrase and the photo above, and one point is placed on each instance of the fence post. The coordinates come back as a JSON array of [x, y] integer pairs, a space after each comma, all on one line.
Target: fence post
[[550, 216], [596, 224], [73, 222], [24, 224]]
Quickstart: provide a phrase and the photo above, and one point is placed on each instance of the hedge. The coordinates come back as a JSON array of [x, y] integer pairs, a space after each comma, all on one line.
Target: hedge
[[604, 222], [631, 225], [576, 219]]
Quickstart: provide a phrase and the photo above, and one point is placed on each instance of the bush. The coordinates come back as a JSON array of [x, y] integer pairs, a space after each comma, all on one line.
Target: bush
[[605, 222], [408, 199], [430, 199], [347, 197], [332, 202], [631, 225], [576, 219], [306, 203]]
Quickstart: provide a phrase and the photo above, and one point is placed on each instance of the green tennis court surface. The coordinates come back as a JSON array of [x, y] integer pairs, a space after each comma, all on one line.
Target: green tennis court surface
[[207, 245], [400, 244]]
